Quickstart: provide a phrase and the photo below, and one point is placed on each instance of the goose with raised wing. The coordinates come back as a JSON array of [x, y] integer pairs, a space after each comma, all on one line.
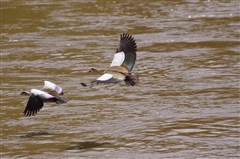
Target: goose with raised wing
[[122, 64], [50, 93]]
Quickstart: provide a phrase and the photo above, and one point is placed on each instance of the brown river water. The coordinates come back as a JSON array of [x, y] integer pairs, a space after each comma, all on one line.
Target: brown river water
[[186, 104]]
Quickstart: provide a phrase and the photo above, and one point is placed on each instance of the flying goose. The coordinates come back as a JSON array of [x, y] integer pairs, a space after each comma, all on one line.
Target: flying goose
[[122, 64], [50, 93]]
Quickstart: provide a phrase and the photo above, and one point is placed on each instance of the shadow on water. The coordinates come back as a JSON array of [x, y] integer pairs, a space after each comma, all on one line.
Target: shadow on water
[[86, 145], [34, 134]]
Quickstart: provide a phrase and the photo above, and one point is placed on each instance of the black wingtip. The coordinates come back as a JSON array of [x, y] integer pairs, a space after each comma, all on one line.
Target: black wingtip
[[35, 103], [29, 113], [127, 43]]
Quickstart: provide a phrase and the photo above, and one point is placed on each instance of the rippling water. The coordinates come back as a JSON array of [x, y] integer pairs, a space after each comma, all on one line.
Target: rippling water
[[185, 106]]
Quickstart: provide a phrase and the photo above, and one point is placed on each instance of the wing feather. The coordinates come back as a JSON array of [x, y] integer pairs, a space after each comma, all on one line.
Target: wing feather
[[118, 59], [52, 88], [109, 78], [129, 47], [34, 104]]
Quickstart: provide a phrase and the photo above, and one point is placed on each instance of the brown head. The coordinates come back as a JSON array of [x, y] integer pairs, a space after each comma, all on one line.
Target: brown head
[[93, 70], [25, 93]]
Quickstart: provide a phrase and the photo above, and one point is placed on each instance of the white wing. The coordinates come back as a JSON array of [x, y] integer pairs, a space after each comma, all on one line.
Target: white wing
[[105, 77], [58, 89], [41, 93], [118, 59], [51, 86]]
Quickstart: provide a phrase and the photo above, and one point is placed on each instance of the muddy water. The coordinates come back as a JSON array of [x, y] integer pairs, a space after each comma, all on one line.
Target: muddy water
[[185, 106]]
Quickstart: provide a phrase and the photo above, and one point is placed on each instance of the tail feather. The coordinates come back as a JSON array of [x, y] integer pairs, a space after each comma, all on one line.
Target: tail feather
[[131, 79], [61, 100]]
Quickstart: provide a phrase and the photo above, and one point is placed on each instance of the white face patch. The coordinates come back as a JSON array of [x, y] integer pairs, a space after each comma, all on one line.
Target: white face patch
[[105, 77], [41, 93], [49, 85], [118, 59]]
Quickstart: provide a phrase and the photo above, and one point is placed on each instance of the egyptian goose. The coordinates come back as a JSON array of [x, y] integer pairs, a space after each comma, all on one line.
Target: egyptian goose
[[122, 64], [50, 93]]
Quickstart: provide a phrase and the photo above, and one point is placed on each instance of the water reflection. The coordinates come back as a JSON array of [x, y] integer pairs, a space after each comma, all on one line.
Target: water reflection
[[41, 133], [86, 145]]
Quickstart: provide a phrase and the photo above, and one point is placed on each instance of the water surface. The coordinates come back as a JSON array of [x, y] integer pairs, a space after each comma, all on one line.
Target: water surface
[[185, 106]]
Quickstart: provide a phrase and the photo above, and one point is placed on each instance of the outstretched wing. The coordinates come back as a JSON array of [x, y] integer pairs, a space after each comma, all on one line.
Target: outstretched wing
[[52, 88], [125, 55], [35, 103]]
